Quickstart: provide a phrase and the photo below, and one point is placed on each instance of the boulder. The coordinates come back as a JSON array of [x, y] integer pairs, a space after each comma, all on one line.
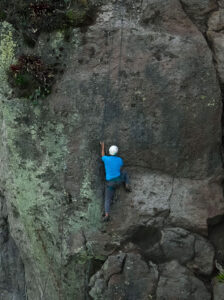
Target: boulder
[[217, 239], [177, 282], [159, 199], [216, 21], [218, 290], [194, 202], [198, 11], [221, 3], [188, 248], [216, 39], [177, 244], [204, 253], [135, 280], [215, 35]]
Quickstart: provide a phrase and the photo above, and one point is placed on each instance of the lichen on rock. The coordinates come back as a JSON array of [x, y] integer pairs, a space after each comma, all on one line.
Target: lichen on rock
[[142, 77], [31, 18], [7, 54]]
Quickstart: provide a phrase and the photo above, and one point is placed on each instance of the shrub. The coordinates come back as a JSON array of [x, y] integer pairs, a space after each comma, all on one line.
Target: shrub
[[31, 78], [220, 276], [32, 17]]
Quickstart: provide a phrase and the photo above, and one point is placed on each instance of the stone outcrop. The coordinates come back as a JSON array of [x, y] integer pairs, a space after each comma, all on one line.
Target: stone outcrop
[[199, 11], [218, 290], [146, 75], [176, 282], [12, 281], [215, 35], [124, 277]]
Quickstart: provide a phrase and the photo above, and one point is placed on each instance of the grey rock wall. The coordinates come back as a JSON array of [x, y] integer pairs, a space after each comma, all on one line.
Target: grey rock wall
[[12, 280], [147, 76]]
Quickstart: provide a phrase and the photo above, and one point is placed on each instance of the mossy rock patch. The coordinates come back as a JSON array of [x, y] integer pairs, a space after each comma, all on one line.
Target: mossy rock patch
[[30, 77], [33, 17]]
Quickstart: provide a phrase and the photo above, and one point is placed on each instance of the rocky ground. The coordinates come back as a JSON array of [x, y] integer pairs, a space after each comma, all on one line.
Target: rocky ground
[[145, 75]]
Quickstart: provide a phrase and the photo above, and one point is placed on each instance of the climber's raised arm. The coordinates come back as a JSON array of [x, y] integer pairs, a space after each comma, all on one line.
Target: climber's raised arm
[[102, 149]]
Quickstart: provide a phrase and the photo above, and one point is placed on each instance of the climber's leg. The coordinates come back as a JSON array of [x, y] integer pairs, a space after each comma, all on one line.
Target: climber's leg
[[126, 180], [109, 193]]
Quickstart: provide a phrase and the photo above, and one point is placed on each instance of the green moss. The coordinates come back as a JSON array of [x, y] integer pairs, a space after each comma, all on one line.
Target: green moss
[[2, 16], [38, 205], [31, 77], [57, 41], [21, 80], [75, 16], [33, 17], [83, 2], [7, 54], [220, 276], [84, 257], [92, 215], [34, 148], [41, 207]]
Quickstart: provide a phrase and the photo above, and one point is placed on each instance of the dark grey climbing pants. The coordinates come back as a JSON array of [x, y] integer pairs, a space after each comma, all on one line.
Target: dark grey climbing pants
[[111, 187]]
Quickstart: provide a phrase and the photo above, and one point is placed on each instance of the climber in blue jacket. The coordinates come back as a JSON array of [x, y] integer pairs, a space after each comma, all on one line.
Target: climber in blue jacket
[[114, 176]]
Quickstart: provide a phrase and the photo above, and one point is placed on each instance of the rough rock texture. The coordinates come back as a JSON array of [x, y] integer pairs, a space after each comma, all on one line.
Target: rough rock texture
[[217, 238], [179, 244], [218, 290], [204, 256], [199, 11], [132, 280], [12, 281], [178, 201], [215, 35], [143, 77], [177, 282]]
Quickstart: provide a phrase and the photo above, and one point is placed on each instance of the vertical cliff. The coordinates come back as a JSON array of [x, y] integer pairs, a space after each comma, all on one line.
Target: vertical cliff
[[146, 75]]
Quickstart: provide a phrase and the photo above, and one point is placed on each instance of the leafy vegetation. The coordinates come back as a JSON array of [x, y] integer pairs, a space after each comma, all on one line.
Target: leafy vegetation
[[32, 17], [220, 268], [31, 77], [220, 276]]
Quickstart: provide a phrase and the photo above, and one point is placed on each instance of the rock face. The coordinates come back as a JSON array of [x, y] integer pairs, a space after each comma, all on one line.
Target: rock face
[[215, 36], [124, 277], [142, 76], [12, 281], [199, 11], [218, 290], [176, 282]]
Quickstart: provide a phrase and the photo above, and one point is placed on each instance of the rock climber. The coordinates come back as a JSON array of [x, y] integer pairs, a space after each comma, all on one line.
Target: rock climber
[[114, 176]]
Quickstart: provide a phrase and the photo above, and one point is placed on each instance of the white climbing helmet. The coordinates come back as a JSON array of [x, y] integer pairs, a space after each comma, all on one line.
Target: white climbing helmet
[[113, 150]]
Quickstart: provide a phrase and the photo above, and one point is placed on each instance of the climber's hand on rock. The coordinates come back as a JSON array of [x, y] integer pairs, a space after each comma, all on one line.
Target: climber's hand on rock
[[102, 149]]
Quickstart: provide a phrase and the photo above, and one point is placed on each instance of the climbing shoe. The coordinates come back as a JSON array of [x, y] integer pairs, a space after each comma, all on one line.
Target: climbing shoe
[[127, 187], [106, 218]]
